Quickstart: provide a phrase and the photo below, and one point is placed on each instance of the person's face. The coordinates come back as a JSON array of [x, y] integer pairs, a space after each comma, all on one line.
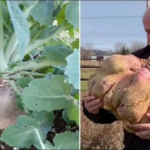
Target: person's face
[[146, 23]]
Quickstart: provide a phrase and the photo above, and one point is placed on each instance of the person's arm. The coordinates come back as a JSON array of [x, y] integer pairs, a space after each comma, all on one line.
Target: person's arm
[[135, 53], [103, 117]]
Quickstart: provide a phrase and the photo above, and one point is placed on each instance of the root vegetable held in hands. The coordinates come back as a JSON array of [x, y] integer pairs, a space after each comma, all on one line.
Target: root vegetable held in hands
[[136, 98], [123, 83]]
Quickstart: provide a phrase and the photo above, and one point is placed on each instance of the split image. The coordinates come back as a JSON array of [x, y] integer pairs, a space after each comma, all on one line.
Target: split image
[[75, 75], [115, 85], [39, 87]]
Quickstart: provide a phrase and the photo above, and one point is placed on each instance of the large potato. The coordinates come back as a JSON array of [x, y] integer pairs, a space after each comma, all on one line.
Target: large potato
[[124, 86]]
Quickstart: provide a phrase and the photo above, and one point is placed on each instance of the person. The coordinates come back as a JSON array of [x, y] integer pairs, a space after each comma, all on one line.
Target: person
[[92, 107]]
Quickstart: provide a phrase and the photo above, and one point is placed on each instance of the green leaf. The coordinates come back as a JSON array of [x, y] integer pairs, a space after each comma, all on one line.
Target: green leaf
[[20, 25], [65, 116], [61, 16], [57, 53], [19, 2], [6, 15], [11, 65], [24, 81], [27, 4], [27, 132], [34, 31], [47, 70], [73, 113], [57, 10], [75, 44], [44, 94], [72, 70], [66, 140], [50, 31], [72, 13], [48, 145], [75, 92], [19, 102], [54, 42], [76, 96], [48, 75], [45, 120], [71, 32], [35, 52], [59, 70], [43, 12], [1, 76], [40, 59]]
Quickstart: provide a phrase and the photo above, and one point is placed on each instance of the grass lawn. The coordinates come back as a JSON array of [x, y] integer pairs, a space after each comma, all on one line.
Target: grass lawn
[[88, 70], [84, 86], [85, 75]]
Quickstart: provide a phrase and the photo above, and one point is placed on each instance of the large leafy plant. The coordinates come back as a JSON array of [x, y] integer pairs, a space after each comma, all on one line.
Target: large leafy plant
[[39, 56]]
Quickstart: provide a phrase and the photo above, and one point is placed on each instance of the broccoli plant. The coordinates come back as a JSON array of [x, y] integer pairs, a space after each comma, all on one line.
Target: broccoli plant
[[39, 69]]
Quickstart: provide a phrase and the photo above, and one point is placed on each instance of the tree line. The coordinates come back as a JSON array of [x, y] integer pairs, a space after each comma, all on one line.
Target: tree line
[[122, 48]]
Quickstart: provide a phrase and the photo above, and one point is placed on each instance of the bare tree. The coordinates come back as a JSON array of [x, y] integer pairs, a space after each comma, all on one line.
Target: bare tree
[[87, 50], [88, 46], [136, 45], [118, 46], [85, 54], [109, 52], [99, 52]]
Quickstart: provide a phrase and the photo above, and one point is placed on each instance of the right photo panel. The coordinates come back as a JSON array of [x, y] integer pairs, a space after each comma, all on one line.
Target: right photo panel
[[115, 75]]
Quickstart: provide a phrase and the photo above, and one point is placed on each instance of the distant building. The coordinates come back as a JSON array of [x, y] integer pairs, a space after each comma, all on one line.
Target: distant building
[[93, 58], [99, 57], [106, 56]]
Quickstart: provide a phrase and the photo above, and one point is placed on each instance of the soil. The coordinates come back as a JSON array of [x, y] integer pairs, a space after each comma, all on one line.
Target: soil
[[59, 127]]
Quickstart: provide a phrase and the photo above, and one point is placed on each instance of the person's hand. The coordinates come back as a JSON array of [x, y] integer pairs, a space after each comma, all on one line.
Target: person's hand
[[142, 130], [127, 126], [92, 104]]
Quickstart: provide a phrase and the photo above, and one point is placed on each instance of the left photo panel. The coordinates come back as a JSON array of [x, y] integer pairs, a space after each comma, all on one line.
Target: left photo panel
[[39, 75]]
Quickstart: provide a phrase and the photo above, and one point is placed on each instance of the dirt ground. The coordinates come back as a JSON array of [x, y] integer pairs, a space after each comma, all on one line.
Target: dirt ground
[[98, 136], [59, 126]]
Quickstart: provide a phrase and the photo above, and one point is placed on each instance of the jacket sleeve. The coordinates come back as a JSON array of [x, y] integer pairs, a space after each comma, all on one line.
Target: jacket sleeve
[[104, 117]]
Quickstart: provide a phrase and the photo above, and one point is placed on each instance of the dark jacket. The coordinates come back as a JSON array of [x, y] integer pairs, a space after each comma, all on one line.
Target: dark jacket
[[131, 141]]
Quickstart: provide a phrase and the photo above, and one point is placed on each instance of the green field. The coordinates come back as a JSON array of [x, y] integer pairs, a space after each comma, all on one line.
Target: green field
[[88, 70], [86, 73], [84, 86]]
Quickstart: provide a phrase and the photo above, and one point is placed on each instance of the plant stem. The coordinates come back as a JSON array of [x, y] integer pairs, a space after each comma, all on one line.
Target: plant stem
[[37, 43], [33, 65], [75, 102], [6, 25], [40, 42], [13, 42], [3, 65], [32, 74], [73, 128], [27, 11], [15, 49], [15, 76], [12, 82], [36, 36]]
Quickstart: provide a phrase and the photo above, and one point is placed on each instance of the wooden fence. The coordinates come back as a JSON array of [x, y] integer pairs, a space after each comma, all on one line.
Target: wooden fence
[[89, 63]]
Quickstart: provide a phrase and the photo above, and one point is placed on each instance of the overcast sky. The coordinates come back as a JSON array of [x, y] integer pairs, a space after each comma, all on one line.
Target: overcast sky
[[104, 32]]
